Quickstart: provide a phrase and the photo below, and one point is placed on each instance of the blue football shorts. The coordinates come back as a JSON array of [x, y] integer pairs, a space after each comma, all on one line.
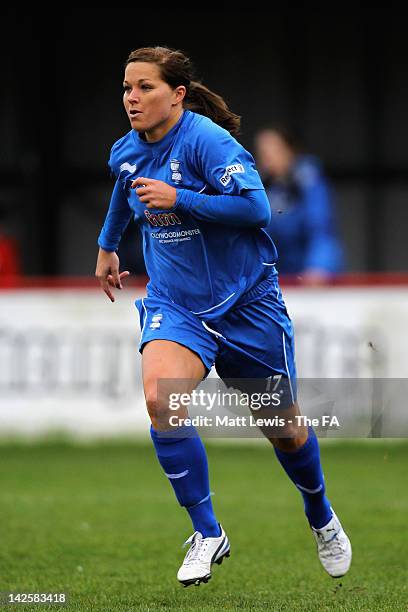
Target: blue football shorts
[[254, 340]]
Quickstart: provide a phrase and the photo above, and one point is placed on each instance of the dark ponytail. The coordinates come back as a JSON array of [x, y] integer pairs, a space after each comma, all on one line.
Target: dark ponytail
[[202, 100], [176, 69]]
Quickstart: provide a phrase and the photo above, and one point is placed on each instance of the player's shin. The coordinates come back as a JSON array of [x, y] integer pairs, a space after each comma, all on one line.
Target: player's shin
[[304, 469], [182, 456]]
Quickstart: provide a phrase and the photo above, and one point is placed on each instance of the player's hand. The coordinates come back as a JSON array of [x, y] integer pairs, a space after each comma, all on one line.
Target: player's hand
[[155, 194], [107, 272]]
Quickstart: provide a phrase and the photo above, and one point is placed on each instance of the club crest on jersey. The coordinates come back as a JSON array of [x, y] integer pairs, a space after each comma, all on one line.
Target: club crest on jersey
[[127, 167], [162, 219], [175, 171], [233, 169]]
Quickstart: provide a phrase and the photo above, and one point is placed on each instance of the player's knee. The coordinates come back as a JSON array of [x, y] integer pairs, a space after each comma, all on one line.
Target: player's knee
[[288, 445], [157, 408], [152, 401], [154, 408], [292, 439]]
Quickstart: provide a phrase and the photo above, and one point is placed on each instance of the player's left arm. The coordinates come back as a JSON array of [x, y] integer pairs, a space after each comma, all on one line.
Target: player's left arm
[[250, 209], [226, 168]]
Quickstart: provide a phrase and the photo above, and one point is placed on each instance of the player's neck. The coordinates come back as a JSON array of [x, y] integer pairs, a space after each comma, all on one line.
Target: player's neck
[[159, 132]]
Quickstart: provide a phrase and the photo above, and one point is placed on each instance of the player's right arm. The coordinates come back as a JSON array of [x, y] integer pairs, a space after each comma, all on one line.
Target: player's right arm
[[116, 221]]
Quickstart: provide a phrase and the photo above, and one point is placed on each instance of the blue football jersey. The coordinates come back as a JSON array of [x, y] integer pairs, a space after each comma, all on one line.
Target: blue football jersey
[[201, 265]]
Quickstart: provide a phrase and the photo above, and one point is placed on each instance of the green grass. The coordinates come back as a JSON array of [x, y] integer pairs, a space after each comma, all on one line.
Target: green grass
[[101, 523]]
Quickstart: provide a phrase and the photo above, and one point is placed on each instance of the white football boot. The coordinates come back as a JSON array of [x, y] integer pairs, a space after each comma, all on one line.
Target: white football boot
[[203, 552], [333, 547]]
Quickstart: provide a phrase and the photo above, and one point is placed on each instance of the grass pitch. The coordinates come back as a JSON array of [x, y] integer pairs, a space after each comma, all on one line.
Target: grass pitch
[[101, 523]]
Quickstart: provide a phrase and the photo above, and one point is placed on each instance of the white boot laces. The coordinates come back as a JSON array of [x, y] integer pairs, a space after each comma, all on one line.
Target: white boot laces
[[197, 549], [332, 548]]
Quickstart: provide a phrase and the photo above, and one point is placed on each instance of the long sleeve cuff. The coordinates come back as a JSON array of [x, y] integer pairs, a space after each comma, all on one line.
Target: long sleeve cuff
[[105, 245]]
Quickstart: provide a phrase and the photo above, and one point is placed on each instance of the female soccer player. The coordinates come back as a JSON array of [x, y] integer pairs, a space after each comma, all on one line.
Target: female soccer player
[[213, 295]]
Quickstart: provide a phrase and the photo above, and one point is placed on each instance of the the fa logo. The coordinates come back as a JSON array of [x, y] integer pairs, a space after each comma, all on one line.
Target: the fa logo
[[156, 321], [175, 171]]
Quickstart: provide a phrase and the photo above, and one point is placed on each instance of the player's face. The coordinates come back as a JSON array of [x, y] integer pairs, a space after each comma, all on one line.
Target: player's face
[[273, 155], [152, 106]]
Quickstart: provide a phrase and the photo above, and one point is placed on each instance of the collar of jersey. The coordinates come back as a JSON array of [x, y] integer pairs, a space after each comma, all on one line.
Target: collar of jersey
[[160, 145]]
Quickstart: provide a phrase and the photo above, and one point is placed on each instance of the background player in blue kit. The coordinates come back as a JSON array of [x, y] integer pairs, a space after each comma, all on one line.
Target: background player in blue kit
[[303, 225], [213, 295]]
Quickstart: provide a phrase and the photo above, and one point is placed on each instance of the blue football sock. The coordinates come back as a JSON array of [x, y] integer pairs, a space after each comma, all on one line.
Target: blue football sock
[[304, 469], [184, 461]]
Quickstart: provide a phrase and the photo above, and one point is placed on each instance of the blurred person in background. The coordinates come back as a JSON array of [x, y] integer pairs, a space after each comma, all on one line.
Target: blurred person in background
[[213, 297], [303, 225]]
